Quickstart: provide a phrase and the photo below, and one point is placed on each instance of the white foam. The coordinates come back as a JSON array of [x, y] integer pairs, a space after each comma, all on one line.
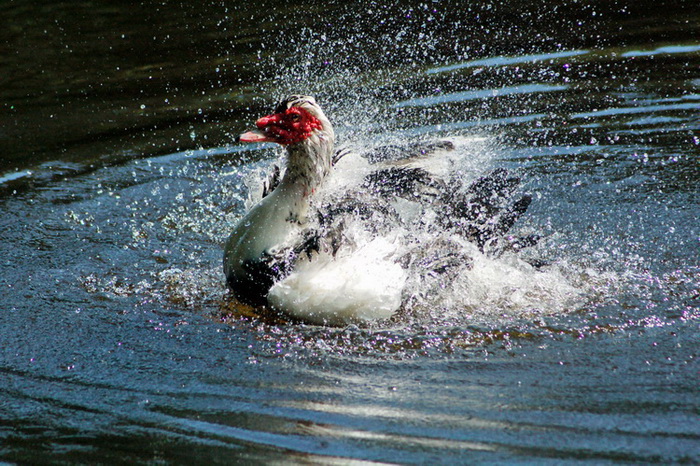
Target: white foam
[[357, 286], [510, 287]]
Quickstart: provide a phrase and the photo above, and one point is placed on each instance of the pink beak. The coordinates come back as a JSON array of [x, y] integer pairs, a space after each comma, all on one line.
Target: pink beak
[[259, 135], [255, 136]]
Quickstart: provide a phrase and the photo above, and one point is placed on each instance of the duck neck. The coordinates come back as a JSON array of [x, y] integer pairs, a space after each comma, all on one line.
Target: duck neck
[[308, 164]]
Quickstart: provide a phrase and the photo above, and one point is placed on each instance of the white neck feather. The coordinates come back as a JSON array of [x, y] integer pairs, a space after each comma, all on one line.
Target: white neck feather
[[309, 162]]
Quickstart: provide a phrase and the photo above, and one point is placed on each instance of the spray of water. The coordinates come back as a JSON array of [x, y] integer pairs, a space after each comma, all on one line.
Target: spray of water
[[490, 298]]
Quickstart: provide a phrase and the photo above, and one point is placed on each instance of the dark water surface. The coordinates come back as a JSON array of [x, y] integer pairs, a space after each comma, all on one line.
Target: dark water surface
[[119, 182]]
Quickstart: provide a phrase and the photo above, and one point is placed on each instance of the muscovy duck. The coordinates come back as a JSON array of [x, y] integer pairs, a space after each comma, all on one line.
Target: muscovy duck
[[326, 256]]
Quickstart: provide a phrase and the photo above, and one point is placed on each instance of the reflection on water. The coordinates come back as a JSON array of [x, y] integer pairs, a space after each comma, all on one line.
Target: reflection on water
[[662, 50], [481, 94], [503, 61], [119, 182]]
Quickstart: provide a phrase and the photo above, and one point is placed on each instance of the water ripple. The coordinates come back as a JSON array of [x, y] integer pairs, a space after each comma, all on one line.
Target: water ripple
[[663, 50], [502, 61], [480, 94]]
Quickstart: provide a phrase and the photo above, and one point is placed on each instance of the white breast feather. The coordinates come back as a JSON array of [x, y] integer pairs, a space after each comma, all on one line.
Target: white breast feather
[[361, 286]]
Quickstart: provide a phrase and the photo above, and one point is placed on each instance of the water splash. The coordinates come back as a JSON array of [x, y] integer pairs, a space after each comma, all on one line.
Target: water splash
[[360, 92]]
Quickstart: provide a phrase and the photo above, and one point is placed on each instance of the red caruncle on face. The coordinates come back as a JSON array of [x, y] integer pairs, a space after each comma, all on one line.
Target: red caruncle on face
[[289, 127]]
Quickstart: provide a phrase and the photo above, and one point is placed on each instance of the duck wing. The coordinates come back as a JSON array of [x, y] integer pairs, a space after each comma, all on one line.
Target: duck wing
[[484, 212], [397, 153]]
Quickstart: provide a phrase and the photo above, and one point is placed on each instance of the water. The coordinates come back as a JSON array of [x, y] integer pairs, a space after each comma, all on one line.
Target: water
[[119, 181]]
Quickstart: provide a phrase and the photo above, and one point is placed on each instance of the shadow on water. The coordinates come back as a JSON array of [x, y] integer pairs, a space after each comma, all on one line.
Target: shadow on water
[[119, 181]]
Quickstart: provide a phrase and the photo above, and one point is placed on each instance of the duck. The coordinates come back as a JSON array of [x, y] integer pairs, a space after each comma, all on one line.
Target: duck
[[330, 244]]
